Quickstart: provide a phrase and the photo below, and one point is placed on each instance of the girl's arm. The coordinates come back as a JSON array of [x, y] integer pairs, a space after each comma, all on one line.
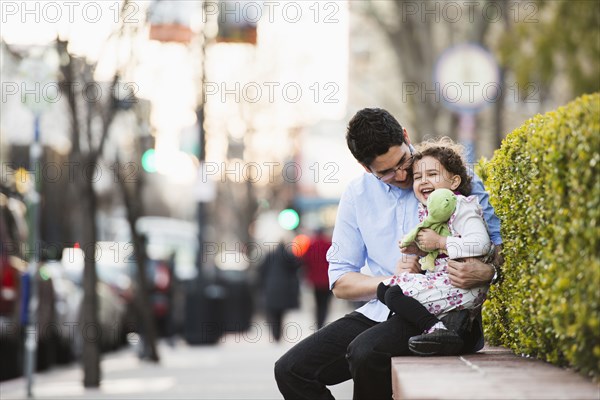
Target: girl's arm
[[473, 239]]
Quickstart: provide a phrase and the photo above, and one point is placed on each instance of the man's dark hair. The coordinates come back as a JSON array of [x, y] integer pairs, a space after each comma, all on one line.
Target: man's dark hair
[[371, 133]]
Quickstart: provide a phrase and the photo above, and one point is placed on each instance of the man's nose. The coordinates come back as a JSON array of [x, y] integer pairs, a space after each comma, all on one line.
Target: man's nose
[[401, 173]]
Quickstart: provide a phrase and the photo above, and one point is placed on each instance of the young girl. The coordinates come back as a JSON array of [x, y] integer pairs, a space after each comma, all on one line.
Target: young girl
[[424, 298]]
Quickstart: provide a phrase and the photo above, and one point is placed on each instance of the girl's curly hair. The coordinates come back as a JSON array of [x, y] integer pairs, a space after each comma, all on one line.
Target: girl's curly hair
[[449, 154]]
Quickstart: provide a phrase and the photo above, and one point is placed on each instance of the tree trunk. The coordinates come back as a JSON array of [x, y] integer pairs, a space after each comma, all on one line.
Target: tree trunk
[[411, 41], [91, 330], [143, 306], [499, 106], [76, 71], [499, 111]]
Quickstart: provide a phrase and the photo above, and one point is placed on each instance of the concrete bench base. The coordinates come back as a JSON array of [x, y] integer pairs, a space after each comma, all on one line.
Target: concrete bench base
[[493, 373]]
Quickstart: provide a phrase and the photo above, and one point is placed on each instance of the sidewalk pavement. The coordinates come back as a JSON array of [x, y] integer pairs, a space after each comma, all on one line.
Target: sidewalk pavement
[[230, 370], [240, 366]]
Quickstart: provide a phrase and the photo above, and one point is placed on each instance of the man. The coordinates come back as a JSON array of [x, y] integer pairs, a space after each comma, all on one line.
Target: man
[[374, 213]]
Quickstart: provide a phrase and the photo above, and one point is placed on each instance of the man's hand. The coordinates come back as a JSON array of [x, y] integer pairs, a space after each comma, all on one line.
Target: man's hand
[[357, 286], [430, 240], [469, 273], [498, 257], [408, 263]]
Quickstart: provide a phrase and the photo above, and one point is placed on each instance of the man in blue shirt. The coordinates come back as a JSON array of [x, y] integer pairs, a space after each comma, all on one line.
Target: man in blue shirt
[[375, 212]]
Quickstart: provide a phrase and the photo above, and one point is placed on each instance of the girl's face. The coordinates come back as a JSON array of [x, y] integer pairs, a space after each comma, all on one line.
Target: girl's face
[[429, 174]]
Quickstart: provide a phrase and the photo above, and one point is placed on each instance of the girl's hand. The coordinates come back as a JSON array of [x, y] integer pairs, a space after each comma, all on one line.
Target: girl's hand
[[412, 248], [429, 240], [408, 263]]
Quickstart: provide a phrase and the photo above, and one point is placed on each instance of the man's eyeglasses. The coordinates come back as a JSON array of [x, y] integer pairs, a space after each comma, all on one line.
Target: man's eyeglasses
[[402, 165]]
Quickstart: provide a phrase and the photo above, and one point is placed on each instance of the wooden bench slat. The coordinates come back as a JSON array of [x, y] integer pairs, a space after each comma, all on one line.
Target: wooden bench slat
[[494, 373]]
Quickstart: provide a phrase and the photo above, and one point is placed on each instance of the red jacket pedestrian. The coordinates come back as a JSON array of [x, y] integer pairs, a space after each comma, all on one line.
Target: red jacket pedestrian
[[316, 268]]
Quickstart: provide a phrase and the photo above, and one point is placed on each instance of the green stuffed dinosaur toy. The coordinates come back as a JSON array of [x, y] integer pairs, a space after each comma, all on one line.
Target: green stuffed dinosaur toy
[[441, 204]]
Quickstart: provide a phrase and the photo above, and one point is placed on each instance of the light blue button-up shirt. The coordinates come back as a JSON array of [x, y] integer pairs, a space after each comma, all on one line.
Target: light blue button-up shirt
[[372, 218]]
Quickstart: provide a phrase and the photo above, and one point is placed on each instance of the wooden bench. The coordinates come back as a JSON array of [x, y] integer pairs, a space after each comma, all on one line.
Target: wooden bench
[[492, 373]]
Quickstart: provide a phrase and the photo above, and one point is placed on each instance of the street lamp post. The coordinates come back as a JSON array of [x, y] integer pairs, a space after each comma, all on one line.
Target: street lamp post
[[36, 71], [468, 77], [33, 200]]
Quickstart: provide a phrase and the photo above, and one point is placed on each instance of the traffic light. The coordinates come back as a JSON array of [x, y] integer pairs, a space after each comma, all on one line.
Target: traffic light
[[289, 219], [300, 245], [149, 160]]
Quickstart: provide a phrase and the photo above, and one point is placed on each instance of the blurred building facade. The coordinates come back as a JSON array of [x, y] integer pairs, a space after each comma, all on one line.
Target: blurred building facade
[[378, 78], [56, 174]]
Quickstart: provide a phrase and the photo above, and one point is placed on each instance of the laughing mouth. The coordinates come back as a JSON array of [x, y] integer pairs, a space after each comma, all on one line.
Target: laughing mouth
[[426, 192]]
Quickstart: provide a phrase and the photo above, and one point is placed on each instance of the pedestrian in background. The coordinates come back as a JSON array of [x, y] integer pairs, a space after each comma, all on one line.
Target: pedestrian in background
[[280, 284], [316, 266]]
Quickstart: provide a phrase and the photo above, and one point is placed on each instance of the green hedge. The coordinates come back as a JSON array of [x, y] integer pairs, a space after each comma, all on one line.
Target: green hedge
[[543, 183]]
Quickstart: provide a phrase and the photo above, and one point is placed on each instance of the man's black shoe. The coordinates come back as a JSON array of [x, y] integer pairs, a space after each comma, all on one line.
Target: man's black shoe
[[441, 342]]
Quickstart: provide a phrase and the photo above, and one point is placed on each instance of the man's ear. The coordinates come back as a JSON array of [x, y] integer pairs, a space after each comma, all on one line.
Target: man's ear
[[455, 182], [405, 134]]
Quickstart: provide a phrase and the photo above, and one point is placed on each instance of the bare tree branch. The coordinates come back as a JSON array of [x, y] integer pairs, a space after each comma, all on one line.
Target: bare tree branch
[[66, 87], [108, 115]]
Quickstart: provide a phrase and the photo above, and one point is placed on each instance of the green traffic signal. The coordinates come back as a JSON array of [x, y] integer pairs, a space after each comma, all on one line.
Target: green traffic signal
[[149, 160], [289, 219]]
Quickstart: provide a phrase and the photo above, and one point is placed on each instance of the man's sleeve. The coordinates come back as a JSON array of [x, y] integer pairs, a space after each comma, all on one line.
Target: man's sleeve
[[493, 222], [347, 252]]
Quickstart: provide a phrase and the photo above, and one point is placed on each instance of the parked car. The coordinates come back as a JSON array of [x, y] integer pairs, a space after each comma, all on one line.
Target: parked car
[[114, 263], [68, 297], [14, 294], [12, 269], [111, 308]]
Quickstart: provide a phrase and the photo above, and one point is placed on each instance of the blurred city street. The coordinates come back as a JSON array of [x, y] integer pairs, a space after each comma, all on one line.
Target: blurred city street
[[182, 183], [240, 366]]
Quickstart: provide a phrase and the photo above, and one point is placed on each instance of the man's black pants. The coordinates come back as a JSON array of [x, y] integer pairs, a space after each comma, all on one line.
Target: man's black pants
[[353, 347]]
